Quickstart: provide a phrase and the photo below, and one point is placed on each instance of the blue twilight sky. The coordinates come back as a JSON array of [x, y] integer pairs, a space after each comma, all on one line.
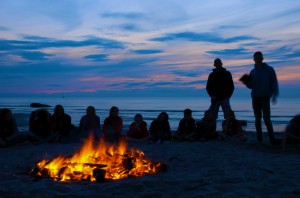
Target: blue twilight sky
[[154, 47]]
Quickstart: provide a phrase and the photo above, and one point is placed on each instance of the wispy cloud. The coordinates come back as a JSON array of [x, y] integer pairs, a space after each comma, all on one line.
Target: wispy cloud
[[203, 37]]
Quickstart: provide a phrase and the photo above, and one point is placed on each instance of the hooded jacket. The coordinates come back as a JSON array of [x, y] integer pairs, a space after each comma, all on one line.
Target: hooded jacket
[[220, 84]]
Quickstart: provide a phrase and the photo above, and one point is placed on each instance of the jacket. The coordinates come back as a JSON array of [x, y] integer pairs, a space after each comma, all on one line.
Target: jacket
[[220, 84]]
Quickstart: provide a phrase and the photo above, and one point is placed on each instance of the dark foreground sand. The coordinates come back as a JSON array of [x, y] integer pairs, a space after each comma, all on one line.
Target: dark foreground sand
[[195, 169]]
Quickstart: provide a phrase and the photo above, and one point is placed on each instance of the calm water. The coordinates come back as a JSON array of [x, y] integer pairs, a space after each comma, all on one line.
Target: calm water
[[150, 108]]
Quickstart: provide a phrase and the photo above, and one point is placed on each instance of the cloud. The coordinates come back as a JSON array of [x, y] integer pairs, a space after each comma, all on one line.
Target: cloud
[[237, 51], [128, 15], [33, 55], [203, 37], [36, 43], [3, 28], [149, 51], [97, 57], [129, 27]]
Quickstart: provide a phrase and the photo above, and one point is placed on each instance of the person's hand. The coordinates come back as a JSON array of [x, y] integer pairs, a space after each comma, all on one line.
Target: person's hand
[[274, 100]]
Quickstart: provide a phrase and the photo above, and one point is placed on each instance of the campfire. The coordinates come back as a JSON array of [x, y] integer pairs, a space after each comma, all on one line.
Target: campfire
[[98, 163]]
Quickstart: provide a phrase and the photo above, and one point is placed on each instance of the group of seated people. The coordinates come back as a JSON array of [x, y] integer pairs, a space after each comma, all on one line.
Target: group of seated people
[[58, 127]]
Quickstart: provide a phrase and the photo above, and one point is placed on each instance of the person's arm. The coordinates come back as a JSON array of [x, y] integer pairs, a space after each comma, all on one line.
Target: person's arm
[[275, 88], [209, 87], [230, 85]]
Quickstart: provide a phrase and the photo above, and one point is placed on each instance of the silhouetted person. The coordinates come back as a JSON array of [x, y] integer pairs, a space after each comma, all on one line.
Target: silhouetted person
[[9, 133], [90, 124], [62, 122], [206, 127], [231, 127], [112, 126], [160, 130], [292, 132], [41, 129], [264, 85], [220, 88], [187, 127], [138, 128]]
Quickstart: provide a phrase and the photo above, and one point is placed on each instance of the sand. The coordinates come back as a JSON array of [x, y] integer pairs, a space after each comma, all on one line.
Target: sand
[[194, 169]]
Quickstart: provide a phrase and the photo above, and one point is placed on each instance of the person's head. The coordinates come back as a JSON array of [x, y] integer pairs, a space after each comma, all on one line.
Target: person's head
[[114, 111], [90, 111], [187, 113], [163, 116], [258, 58], [6, 114], [59, 110], [138, 118], [218, 63], [295, 121]]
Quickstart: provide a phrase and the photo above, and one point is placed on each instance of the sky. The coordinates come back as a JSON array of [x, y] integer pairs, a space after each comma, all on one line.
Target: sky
[[143, 47]]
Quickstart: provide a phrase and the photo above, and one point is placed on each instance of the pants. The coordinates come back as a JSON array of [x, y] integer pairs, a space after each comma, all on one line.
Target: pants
[[215, 105], [261, 108]]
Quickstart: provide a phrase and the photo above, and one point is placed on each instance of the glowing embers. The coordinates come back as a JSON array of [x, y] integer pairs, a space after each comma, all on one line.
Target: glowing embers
[[98, 163]]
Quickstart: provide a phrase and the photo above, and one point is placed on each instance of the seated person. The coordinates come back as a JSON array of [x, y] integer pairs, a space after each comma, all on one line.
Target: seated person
[[160, 130], [62, 122], [138, 128], [292, 132], [231, 127], [112, 126], [9, 133], [187, 127], [206, 127], [41, 129], [90, 124]]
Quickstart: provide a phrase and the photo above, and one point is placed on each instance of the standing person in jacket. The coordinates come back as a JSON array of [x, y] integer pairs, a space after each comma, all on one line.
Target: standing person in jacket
[[220, 88], [112, 126], [160, 130], [90, 124], [264, 85]]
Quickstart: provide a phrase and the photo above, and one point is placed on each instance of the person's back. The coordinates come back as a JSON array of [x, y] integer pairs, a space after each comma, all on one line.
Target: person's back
[[206, 127], [112, 126], [292, 132], [160, 128], [40, 123], [187, 127], [62, 121], [220, 88], [90, 124], [138, 128], [9, 132], [232, 127]]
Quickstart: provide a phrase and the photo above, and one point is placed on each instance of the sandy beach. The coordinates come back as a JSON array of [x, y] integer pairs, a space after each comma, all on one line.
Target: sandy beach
[[194, 169]]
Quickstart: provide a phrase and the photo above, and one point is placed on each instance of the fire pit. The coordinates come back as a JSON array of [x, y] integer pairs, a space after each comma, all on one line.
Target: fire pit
[[97, 164]]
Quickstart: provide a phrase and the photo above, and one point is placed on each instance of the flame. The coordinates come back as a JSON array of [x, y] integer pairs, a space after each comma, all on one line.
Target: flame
[[97, 163]]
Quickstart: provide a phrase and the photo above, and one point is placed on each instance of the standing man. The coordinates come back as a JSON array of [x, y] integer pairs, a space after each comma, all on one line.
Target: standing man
[[264, 85], [220, 88]]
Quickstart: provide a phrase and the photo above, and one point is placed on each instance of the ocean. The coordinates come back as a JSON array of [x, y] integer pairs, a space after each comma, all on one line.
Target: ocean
[[149, 107]]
